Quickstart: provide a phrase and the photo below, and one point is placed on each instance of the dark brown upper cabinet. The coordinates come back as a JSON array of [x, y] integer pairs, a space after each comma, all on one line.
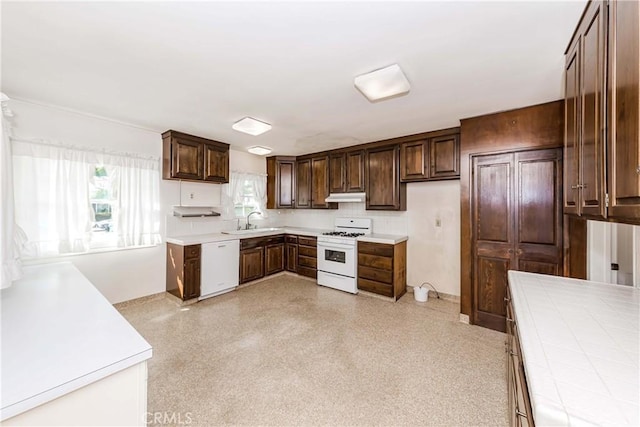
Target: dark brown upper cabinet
[[430, 157], [192, 158], [281, 182], [384, 189], [303, 183], [602, 136], [320, 183], [312, 183], [585, 115], [346, 172], [624, 103]]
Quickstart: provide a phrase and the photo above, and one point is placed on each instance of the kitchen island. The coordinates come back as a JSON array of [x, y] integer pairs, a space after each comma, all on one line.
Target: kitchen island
[[579, 343], [68, 356]]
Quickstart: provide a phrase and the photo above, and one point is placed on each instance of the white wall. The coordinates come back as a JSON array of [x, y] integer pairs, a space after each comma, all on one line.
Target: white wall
[[133, 273], [433, 252]]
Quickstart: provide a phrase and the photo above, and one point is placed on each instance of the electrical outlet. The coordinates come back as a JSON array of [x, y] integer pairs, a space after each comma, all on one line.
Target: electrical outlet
[[438, 222]]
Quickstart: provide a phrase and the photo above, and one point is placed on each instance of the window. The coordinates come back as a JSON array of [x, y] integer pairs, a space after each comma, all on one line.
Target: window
[[74, 200], [247, 199]]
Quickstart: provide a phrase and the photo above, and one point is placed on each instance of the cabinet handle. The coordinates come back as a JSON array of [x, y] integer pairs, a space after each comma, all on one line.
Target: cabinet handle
[[638, 170], [521, 414], [511, 352], [576, 187], [222, 246], [510, 251], [519, 252]]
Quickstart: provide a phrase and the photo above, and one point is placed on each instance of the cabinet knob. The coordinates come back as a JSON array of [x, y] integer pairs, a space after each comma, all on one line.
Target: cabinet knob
[[638, 170]]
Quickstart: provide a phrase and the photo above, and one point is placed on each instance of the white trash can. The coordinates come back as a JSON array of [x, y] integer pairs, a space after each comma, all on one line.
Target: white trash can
[[420, 294]]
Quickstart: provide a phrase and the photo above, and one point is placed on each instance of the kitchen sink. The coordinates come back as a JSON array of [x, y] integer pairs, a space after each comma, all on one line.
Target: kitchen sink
[[253, 230]]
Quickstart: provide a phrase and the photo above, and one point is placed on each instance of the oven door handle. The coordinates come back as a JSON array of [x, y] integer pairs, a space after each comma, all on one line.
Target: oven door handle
[[335, 246]]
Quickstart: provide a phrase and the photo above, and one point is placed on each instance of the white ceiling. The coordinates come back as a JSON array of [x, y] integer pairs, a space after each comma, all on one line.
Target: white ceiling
[[198, 67]]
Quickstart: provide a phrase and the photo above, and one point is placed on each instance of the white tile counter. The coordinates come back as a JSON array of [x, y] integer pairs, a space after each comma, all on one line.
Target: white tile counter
[[60, 334], [390, 239], [580, 347]]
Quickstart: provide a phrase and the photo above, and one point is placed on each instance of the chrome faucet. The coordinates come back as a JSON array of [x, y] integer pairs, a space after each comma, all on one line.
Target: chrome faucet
[[248, 226]]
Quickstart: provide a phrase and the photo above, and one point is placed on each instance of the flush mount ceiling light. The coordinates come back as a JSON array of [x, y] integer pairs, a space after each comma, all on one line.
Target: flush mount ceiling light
[[259, 150], [251, 126], [383, 83]]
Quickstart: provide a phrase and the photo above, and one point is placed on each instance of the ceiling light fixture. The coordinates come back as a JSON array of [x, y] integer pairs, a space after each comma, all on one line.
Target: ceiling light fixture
[[259, 150], [383, 83], [251, 126]]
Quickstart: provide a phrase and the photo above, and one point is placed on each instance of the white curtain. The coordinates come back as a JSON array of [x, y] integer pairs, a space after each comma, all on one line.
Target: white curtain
[[260, 189], [231, 194], [52, 197], [53, 202], [136, 212], [11, 237]]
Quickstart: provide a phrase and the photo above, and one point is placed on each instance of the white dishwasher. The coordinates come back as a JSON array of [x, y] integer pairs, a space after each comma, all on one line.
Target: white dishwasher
[[220, 268]]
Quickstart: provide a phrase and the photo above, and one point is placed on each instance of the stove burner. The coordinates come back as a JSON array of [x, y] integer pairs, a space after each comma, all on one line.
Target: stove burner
[[342, 234]]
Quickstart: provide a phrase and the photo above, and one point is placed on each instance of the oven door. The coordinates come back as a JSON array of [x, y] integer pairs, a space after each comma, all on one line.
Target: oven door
[[337, 258]]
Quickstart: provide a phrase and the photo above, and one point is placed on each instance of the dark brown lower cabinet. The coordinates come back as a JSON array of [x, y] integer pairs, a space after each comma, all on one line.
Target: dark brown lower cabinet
[[382, 268], [307, 256], [520, 413], [274, 258], [516, 202], [183, 271], [291, 253], [261, 256], [251, 264]]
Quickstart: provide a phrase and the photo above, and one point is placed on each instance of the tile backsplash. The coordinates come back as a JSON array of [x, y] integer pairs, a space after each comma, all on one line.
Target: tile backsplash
[[384, 222]]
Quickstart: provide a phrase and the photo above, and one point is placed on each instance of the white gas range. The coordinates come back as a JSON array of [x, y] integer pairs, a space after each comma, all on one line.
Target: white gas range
[[337, 254]]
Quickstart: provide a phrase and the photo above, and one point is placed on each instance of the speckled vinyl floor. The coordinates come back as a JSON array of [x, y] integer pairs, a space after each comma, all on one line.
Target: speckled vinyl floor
[[287, 352]]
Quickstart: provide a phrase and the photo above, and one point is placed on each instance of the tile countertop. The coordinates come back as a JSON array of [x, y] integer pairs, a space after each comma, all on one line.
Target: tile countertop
[[301, 231], [60, 334], [580, 346]]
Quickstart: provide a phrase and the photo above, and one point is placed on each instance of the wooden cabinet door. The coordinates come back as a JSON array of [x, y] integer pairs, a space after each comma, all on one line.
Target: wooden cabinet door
[[186, 159], [216, 163], [384, 190], [191, 278], [337, 173], [493, 236], [286, 184], [291, 250], [303, 183], [281, 182], [572, 126], [274, 258], [624, 123], [517, 224], [444, 157], [592, 77], [251, 264], [320, 183], [355, 171], [537, 211], [414, 160]]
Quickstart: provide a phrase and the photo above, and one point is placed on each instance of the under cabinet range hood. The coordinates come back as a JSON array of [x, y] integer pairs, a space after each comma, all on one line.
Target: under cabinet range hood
[[194, 211], [346, 197]]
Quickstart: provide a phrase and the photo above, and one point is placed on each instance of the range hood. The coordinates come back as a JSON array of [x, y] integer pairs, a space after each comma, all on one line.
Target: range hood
[[194, 211], [346, 197]]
